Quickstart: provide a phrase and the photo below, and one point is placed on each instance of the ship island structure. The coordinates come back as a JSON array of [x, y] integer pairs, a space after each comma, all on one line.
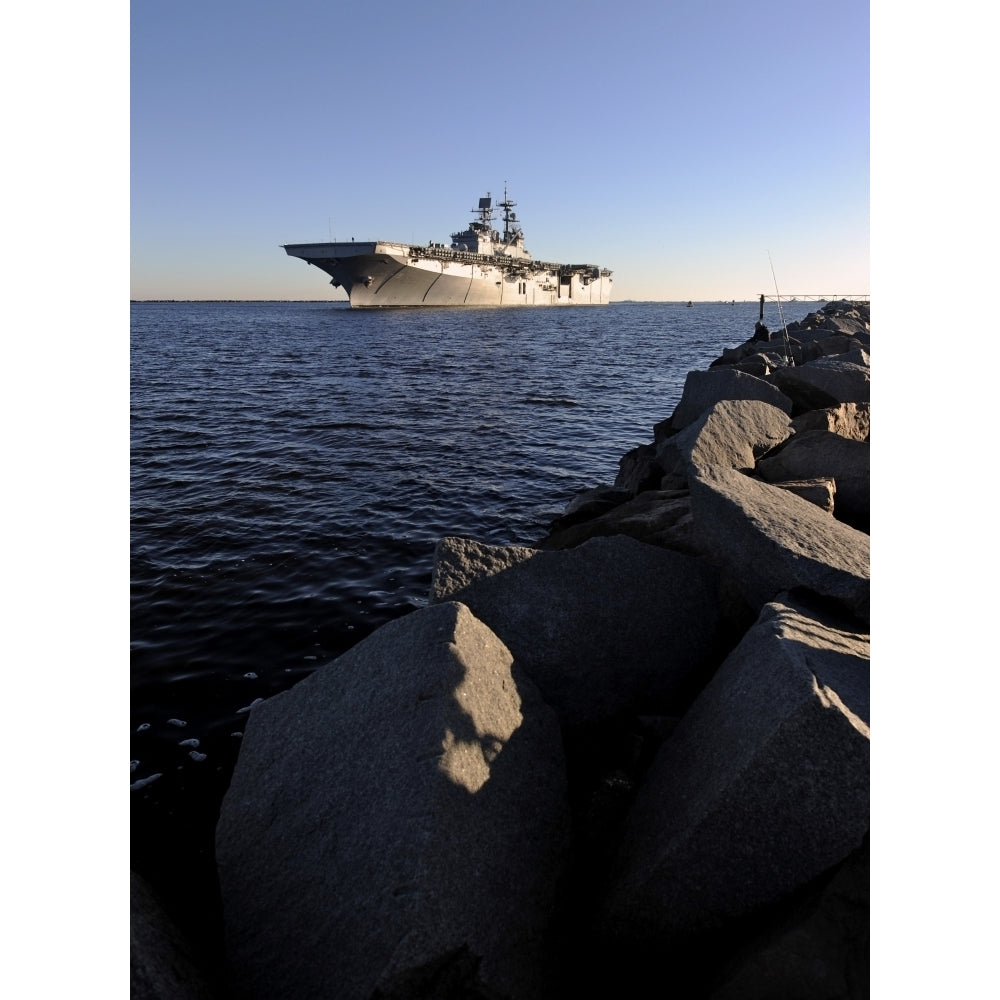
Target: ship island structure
[[481, 268]]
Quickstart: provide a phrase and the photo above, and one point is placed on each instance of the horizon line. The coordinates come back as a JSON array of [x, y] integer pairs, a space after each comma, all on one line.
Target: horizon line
[[858, 296]]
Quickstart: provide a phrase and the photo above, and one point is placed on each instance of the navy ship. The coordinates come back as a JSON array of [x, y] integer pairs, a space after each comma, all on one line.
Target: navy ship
[[481, 267]]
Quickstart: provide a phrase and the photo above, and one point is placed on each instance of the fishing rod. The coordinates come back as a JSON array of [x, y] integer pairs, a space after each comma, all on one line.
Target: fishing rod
[[781, 315]]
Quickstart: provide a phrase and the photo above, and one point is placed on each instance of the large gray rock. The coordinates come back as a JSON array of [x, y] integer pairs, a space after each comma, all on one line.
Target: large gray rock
[[851, 420], [859, 356], [639, 470], [590, 504], [659, 517], [835, 378], [770, 540], [804, 395], [703, 389], [819, 491], [763, 786], [852, 325], [835, 319], [833, 328], [818, 952], [608, 626], [755, 364], [839, 343], [396, 820], [824, 453], [162, 962], [733, 433]]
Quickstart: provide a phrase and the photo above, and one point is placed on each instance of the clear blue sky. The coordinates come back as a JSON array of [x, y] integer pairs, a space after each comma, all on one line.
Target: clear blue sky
[[677, 143]]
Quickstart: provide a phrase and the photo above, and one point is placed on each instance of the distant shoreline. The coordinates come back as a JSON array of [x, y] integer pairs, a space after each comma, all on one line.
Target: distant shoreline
[[623, 302]]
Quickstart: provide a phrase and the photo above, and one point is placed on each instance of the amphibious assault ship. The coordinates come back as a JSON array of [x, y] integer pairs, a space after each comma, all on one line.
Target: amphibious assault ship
[[480, 267]]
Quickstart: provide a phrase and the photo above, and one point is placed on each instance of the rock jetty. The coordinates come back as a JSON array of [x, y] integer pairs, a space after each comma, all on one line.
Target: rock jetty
[[637, 751]]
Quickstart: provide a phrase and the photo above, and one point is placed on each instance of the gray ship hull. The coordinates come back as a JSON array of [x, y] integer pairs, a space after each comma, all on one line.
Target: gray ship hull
[[383, 274]]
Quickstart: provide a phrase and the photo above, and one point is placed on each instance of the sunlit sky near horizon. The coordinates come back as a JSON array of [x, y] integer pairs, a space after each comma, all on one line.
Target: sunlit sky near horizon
[[685, 145]]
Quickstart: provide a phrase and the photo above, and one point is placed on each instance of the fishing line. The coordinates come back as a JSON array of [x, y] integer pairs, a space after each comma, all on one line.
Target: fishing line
[[781, 315]]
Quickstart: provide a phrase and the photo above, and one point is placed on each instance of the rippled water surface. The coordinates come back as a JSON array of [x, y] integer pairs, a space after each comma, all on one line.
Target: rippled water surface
[[294, 464]]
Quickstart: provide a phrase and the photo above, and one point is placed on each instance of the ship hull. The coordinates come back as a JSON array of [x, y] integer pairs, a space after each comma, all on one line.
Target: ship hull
[[394, 275]]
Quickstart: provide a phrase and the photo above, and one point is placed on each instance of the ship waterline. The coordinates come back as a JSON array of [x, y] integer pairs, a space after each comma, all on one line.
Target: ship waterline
[[480, 268]]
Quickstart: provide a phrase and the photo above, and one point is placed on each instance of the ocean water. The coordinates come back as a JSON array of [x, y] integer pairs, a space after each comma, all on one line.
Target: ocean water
[[294, 464]]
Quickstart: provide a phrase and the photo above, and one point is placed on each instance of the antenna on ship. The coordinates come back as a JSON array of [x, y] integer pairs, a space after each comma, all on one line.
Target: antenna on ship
[[509, 231], [485, 209]]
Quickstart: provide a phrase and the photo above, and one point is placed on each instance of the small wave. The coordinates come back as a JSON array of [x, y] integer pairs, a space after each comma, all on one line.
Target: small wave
[[342, 425], [548, 401]]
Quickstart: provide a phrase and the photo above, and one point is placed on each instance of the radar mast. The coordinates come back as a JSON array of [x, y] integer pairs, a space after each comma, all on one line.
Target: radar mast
[[511, 229], [485, 211]]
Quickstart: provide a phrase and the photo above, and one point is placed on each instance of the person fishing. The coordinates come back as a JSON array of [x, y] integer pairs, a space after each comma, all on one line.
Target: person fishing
[[760, 332]]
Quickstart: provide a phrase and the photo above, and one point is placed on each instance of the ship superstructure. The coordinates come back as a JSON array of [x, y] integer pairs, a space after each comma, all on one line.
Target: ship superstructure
[[480, 267]]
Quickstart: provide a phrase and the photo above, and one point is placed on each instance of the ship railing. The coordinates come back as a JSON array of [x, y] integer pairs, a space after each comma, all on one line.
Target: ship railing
[[502, 260]]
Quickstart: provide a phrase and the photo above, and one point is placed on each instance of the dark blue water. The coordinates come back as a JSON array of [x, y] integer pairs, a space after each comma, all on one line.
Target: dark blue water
[[294, 464]]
